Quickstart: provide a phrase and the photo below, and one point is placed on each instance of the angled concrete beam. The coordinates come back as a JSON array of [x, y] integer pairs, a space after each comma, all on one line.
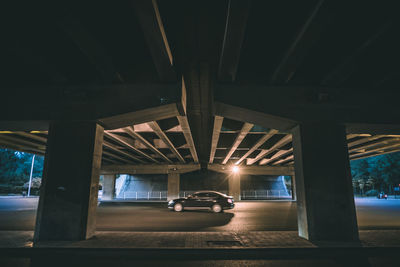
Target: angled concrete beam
[[215, 137], [236, 20], [159, 132], [374, 145], [302, 44], [344, 69], [91, 49], [364, 140], [380, 150], [110, 160], [137, 136], [259, 143], [150, 20], [141, 116], [285, 140], [376, 154], [23, 142], [253, 170], [239, 138], [116, 157], [277, 155], [251, 116], [19, 147], [112, 147], [283, 161], [183, 121], [150, 169], [32, 136], [124, 142]]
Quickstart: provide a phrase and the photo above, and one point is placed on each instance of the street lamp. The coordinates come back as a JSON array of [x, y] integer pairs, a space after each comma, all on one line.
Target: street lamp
[[235, 169]]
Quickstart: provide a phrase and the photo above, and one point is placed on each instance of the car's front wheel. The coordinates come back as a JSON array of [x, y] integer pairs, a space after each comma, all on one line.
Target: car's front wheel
[[216, 208], [178, 207]]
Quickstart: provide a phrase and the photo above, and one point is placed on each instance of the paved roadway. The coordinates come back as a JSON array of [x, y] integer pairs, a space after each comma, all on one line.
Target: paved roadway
[[19, 214]]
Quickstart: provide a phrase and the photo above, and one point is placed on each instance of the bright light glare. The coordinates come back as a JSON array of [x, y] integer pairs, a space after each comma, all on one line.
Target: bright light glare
[[235, 169]]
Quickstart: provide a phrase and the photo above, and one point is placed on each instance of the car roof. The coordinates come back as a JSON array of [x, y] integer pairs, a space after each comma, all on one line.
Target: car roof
[[208, 191]]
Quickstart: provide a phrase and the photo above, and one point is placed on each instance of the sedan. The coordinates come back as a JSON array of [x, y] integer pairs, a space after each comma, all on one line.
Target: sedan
[[215, 201]]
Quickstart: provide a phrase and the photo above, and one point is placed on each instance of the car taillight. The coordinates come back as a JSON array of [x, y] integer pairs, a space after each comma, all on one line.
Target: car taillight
[[230, 200]]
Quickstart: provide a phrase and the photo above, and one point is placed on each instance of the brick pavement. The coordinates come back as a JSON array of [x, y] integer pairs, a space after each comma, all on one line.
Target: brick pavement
[[252, 239]]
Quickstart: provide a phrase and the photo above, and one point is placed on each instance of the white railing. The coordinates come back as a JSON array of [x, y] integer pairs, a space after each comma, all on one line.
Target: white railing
[[144, 195], [245, 195], [266, 194]]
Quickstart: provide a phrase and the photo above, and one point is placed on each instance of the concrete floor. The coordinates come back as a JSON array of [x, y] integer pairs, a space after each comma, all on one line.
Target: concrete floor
[[19, 214]]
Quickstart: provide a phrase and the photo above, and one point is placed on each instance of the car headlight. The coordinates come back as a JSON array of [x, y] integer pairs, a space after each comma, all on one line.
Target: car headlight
[[170, 202]]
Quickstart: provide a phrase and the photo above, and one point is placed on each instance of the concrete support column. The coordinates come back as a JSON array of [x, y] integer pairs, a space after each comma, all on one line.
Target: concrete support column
[[325, 201], [294, 194], [68, 196], [173, 185], [234, 186], [108, 187]]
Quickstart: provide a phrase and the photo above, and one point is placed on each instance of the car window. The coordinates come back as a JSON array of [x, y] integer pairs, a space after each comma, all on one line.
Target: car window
[[202, 194]]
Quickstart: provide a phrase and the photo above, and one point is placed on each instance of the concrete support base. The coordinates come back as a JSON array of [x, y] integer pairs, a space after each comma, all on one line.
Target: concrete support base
[[108, 187], [325, 201], [173, 185], [234, 186], [68, 196]]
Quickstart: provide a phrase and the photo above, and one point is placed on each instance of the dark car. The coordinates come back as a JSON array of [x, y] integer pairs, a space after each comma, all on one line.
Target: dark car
[[382, 195], [213, 200]]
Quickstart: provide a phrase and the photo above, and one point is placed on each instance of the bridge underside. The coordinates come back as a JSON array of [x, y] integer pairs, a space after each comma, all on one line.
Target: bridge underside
[[156, 87]]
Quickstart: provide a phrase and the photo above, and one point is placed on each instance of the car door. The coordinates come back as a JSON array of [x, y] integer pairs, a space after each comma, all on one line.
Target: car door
[[205, 199], [193, 201]]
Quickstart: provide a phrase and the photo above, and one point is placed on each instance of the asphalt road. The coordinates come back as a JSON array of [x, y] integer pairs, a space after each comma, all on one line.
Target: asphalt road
[[19, 214]]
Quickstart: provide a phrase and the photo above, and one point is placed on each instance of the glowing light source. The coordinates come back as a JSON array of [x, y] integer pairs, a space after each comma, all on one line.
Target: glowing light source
[[235, 169]]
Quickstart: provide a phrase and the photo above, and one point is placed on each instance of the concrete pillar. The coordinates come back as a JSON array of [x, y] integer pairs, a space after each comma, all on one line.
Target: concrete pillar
[[325, 201], [234, 186], [173, 185], [294, 194], [68, 196], [108, 187]]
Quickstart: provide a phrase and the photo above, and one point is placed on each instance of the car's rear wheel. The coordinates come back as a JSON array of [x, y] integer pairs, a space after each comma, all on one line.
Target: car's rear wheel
[[178, 207], [216, 208]]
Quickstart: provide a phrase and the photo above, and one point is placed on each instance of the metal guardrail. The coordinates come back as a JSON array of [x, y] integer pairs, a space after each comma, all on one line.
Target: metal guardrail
[[245, 195], [143, 195], [265, 194]]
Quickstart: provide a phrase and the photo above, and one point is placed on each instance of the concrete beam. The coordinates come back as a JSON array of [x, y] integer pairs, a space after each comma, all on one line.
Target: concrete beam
[[215, 137], [253, 170], [303, 43], [160, 133], [236, 20], [149, 169], [121, 140], [285, 140], [259, 143], [113, 148], [150, 20], [114, 106], [141, 116], [137, 136], [239, 138], [183, 121], [251, 116]]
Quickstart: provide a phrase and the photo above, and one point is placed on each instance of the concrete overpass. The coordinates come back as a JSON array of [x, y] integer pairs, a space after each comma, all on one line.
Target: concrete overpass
[[147, 86]]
